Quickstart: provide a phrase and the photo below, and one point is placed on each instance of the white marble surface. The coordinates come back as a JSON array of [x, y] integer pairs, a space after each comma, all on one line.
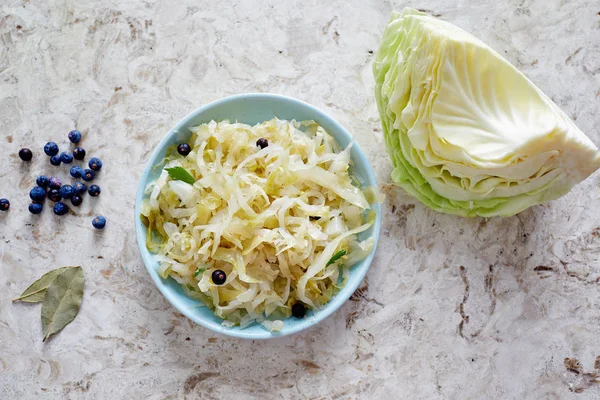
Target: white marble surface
[[454, 308]]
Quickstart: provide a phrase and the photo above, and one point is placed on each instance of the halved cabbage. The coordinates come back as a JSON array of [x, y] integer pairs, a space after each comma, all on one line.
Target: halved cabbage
[[467, 132]]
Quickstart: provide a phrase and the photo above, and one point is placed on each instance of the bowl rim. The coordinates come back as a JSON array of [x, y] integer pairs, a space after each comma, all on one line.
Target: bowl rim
[[336, 302]]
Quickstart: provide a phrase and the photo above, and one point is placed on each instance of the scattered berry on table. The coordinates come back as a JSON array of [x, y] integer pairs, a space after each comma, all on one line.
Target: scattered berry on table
[[76, 200], [79, 188], [262, 143], [42, 181], [51, 149], [54, 183], [25, 154], [66, 191], [95, 164], [4, 204], [184, 149], [35, 208], [54, 195], [37, 194], [298, 310], [78, 153], [55, 160], [218, 277], [66, 158], [75, 136], [99, 222], [60, 208], [76, 171], [88, 175], [94, 190]]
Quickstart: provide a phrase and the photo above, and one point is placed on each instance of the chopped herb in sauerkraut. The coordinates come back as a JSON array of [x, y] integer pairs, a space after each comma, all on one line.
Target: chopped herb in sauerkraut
[[280, 220]]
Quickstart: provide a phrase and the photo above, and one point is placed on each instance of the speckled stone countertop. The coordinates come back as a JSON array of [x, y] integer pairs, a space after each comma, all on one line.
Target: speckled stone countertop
[[452, 308]]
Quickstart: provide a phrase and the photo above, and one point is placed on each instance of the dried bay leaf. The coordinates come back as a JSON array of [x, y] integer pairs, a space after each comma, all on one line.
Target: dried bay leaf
[[37, 290], [62, 300]]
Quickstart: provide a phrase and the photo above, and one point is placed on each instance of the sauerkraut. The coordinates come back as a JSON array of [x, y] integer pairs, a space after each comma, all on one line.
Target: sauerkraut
[[281, 221]]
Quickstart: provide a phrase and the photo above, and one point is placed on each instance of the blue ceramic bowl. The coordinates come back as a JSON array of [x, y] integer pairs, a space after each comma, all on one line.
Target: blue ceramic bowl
[[253, 109]]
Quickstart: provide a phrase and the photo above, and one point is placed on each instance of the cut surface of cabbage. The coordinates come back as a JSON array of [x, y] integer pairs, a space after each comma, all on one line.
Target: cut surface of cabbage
[[468, 133], [270, 218]]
